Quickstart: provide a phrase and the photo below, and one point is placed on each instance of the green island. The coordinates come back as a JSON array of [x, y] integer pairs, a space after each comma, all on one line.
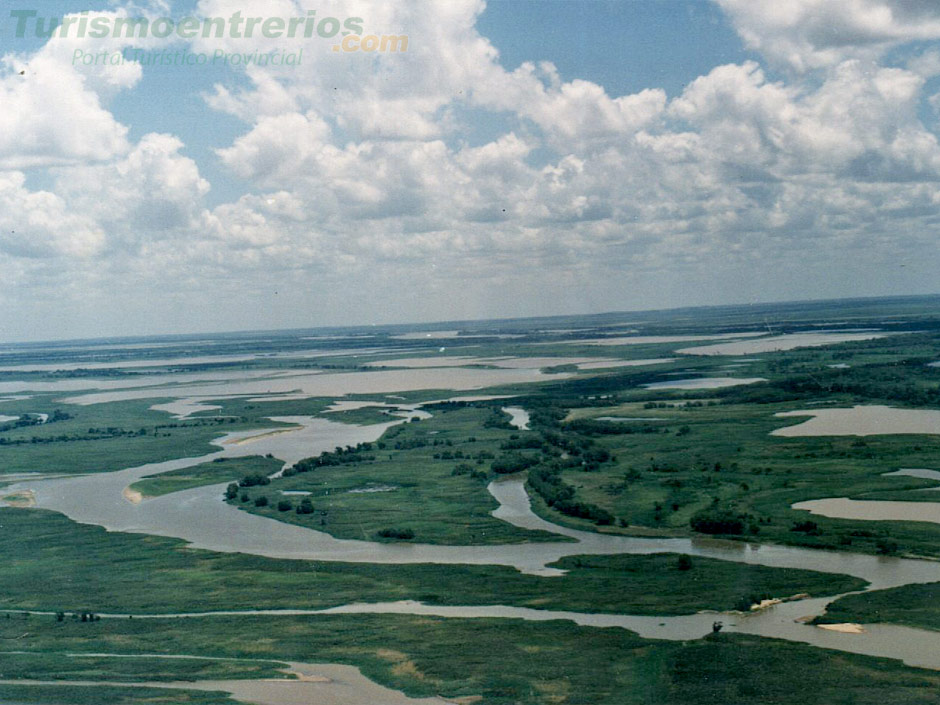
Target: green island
[[911, 605]]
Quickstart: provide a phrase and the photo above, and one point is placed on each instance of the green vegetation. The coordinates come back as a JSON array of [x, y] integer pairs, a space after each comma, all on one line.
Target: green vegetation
[[425, 476], [107, 695], [679, 463], [511, 661], [732, 668], [108, 437], [725, 474], [41, 664], [212, 473], [911, 605], [89, 578]]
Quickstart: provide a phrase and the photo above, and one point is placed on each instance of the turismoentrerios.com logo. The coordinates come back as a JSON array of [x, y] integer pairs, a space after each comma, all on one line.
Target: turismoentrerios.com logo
[[349, 33]]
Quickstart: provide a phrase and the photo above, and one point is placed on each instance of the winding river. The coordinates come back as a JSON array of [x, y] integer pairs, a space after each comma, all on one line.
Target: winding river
[[200, 517]]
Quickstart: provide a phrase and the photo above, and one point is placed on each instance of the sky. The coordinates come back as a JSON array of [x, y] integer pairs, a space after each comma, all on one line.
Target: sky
[[518, 158]]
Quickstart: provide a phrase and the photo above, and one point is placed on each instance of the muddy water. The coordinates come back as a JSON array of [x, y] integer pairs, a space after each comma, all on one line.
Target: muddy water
[[624, 363], [310, 385], [704, 383], [520, 417], [872, 510], [200, 517], [322, 684], [868, 420], [916, 472], [779, 342]]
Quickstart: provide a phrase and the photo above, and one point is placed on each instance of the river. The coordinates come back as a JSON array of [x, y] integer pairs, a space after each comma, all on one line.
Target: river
[[200, 517]]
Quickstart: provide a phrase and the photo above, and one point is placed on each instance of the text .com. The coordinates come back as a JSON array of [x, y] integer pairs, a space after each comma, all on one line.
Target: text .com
[[386, 43]]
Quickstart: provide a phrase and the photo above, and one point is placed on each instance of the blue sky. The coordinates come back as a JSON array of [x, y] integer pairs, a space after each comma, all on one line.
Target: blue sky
[[536, 157], [623, 46]]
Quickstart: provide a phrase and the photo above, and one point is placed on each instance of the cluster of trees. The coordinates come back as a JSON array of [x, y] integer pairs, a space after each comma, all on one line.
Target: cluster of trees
[[398, 534], [910, 382], [810, 528], [723, 520], [546, 482], [514, 462], [591, 427], [27, 420], [498, 418], [467, 469], [528, 442], [339, 456], [93, 433]]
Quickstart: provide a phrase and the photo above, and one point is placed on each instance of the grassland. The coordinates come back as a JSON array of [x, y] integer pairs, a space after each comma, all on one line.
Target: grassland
[[211, 473], [703, 456], [708, 451], [910, 605], [107, 437], [107, 695], [41, 664], [678, 458], [510, 661], [406, 481], [98, 571]]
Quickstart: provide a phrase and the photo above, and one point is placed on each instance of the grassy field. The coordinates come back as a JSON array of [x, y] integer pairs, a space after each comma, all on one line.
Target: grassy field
[[702, 457], [510, 661], [107, 437], [911, 605], [107, 695], [692, 452], [705, 456], [158, 575], [212, 473], [42, 664], [665, 466], [406, 481]]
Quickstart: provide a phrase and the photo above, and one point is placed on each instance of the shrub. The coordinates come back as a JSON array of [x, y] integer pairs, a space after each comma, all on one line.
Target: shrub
[[401, 534], [806, 527], [717, 520]]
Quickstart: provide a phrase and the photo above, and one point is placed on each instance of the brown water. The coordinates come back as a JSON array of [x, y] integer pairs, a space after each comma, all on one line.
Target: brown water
[[869, 420], [872, 510], [317, 684], [200, 517], [520, 417], [315, 385], [704, 383], [779, 342]]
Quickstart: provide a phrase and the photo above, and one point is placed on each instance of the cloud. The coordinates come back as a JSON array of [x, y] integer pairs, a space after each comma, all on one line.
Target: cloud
[[810, 34], [151, 192], [41, 225], [50, 116], [417, 174]]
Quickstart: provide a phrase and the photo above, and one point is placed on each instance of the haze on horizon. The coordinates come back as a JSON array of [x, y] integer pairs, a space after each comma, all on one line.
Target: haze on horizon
[[520, 159]]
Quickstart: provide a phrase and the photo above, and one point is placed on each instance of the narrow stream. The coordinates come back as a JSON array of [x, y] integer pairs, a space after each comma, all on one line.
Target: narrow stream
[[200, 517], [320, 683]]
